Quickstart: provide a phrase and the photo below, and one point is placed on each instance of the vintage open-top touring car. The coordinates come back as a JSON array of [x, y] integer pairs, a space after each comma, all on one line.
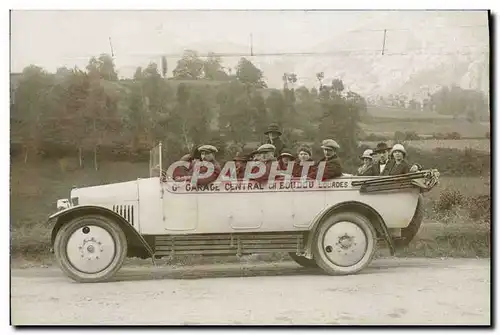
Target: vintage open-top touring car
[[334, 225]]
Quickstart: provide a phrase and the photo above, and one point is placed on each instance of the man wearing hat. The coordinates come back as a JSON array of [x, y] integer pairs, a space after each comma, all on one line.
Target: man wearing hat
[[266, 155], [273, 134], [207, 153], [333, 168], [381, 158]]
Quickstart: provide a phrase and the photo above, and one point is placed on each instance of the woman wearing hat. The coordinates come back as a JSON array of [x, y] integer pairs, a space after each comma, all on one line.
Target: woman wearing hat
[[304, 154], [397, 165], [283, 160], [366, 157], [273, 134]]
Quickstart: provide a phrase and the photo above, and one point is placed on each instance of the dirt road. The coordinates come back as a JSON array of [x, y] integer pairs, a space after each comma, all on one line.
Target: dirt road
[[391, 291]]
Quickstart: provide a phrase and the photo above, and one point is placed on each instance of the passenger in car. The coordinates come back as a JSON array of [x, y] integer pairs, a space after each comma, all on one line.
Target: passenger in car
[[304, 154], [380, 160], [333, 167], [284, 159], [254, 156], [266, 155], [182, 173], [366, 157], [208, 155], [240, 163], [273, 134], [397, 165]]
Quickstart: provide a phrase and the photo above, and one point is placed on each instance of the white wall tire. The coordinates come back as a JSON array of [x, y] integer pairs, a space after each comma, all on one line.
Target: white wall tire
[[344, 244], [91, 248]]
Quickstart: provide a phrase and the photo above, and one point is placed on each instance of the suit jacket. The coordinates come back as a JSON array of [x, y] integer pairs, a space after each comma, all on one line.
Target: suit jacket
[[297, 169], [278, 143], [393, 169], [366, 172], [333, 168], [375, 169], [213, 177]]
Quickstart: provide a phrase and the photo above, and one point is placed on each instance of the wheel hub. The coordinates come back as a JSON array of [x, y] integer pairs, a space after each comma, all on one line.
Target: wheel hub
[[90, 249], [345, 243]]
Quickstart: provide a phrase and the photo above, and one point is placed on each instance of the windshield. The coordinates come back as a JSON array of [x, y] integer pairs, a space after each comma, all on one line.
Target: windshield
[[155, 165]]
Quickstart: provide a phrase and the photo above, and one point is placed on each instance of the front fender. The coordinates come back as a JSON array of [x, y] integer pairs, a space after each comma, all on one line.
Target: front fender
[[64, 216]]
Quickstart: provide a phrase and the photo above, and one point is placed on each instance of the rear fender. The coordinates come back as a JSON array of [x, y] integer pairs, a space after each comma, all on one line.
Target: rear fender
[[63, 217], [351, 206]]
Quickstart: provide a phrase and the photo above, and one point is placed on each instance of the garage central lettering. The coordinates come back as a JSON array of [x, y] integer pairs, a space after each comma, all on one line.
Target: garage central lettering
[[227, 187]]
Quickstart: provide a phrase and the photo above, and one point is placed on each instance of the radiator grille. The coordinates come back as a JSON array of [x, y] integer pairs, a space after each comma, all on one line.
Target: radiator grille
[[126, 211]]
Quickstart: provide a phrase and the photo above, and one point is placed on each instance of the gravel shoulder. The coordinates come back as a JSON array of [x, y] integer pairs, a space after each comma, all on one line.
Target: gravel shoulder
[[391, 291]]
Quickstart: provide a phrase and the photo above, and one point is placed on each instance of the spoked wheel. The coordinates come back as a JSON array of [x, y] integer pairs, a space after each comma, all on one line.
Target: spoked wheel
[[90, 248], [344, 244], [303, 261]]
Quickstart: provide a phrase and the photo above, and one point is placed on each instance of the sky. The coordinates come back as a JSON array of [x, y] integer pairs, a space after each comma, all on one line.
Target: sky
[[51, 39]]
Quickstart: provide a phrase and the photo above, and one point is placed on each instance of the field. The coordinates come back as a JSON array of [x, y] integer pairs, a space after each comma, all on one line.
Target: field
[[429, 145], [400, 113], [386, 121]]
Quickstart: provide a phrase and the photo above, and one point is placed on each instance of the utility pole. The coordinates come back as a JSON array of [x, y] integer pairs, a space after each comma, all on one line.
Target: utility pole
[[383, 42], [111, 47], [251, 44]]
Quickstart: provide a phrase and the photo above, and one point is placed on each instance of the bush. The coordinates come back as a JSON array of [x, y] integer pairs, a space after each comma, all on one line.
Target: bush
[[480, 207], [411, 135], [448, 199], [375, 137], [453, 136], [399, 136]]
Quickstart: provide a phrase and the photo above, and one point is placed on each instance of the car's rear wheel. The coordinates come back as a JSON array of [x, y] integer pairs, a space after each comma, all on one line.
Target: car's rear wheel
[[303, 261], [344, 243], [90, 248]]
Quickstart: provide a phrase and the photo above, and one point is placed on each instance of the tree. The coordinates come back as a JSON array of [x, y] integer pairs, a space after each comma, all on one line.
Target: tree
[[236, 113], [212, 68], [190, 66], [337, 86], [340, 122], [320, 76], [102, 67], [138, 74], [164, 66], [277, 107], [247, 73], [31, 102]]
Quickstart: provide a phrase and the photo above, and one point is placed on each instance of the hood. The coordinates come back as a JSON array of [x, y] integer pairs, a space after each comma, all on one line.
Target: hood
[[110, 193]]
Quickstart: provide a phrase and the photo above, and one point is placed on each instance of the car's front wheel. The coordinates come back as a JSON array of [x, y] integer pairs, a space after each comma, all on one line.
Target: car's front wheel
[[344, 243], [90, 248]]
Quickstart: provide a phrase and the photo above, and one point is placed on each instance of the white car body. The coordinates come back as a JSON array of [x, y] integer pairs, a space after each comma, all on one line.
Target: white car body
[[236, 217]]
